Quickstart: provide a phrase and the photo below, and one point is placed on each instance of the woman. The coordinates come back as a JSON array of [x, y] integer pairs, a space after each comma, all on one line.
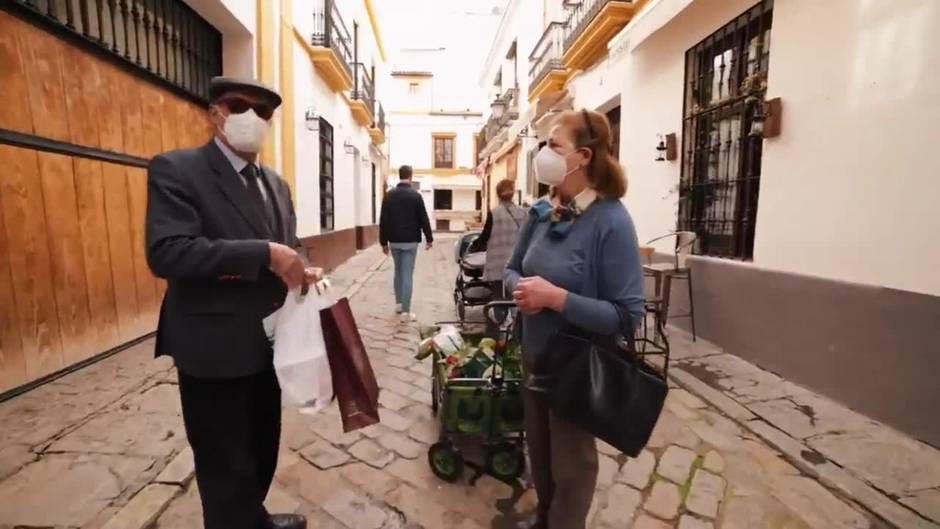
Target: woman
[[577, 264], [499, 236]]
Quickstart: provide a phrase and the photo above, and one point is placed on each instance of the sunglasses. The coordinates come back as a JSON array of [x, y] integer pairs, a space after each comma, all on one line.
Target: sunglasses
[[240, 105]]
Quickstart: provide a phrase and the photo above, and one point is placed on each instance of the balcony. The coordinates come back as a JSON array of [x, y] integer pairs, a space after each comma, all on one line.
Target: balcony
[[590, 26], [481, 144], [331, 50], [377, 132], [508, 105], [547, 72], [362, 97]]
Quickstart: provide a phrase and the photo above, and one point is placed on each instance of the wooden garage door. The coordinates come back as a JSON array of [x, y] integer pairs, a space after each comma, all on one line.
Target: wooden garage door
[[74, 280]]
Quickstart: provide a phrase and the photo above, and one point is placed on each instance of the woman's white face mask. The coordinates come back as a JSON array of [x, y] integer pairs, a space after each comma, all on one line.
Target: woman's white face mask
[[551, 168], [245, 132]]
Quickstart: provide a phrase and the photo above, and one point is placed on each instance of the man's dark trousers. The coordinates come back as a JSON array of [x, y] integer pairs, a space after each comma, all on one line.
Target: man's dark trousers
[[233, 426], [210, 241]]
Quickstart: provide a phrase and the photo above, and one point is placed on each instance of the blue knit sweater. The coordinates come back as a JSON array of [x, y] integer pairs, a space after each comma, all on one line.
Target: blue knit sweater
[[597, 261]]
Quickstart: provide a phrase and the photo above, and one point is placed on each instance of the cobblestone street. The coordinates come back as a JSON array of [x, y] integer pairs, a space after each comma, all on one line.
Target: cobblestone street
[[105, 447]]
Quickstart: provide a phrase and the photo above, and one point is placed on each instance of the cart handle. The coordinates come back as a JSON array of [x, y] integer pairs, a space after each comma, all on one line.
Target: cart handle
[[489, 310]]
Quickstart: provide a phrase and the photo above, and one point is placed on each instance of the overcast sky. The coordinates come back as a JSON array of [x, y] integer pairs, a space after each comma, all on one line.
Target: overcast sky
[[447, 37]]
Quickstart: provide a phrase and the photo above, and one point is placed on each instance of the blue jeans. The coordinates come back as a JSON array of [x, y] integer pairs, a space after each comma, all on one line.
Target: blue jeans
[[404, 255]]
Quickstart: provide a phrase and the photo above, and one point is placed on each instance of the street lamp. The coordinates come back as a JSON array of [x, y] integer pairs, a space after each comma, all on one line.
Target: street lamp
[[499, 107]]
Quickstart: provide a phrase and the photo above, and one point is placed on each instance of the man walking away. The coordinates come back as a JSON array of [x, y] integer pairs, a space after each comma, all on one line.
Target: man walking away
[[221, 230], [402, 220]]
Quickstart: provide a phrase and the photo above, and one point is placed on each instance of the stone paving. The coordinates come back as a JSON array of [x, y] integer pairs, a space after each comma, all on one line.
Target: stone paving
[[104, 447]]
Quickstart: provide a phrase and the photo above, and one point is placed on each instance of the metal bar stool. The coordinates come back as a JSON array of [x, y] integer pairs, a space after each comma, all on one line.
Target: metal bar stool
[[664, 273]]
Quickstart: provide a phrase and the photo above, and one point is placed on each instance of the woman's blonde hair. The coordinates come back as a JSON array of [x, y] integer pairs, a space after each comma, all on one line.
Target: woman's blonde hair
[[591, 130]]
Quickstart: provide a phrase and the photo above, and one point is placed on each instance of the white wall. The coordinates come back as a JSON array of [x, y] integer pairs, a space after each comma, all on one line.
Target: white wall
[[651, 104], [400, 96], [465, 200], [352, 186], [601, 83], [237, 21], [847, 190], [410, 138]]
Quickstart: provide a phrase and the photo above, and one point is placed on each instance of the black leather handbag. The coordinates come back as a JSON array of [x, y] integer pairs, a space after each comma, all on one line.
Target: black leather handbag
[[601, 384]]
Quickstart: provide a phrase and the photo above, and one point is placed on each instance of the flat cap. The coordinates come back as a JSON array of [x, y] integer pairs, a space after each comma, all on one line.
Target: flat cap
[[219, 86]]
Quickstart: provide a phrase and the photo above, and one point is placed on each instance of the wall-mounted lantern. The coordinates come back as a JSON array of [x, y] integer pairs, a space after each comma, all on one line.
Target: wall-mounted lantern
[[766, 120], [349, 147], [311, 119], [666, 149]]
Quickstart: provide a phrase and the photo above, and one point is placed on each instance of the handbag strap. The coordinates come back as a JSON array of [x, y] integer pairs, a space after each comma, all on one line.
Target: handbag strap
[[509, 212]]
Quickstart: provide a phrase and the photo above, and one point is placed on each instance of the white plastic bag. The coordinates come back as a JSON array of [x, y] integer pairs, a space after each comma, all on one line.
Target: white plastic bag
[[300, 360], [448, 340]]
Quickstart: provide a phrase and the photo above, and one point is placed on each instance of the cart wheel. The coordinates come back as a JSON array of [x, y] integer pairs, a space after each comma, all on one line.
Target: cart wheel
[[446, 461], [505, 462]]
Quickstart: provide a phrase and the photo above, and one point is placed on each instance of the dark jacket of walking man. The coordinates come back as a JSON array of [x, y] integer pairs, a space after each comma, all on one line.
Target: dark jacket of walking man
[[402, 221], [221, 230]]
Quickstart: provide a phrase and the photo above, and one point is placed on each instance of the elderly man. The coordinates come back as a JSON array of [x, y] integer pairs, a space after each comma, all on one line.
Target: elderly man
[[221, 230]]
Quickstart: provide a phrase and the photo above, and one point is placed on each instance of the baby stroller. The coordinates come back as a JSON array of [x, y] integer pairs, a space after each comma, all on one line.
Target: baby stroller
[[478, 394], [470, 289]]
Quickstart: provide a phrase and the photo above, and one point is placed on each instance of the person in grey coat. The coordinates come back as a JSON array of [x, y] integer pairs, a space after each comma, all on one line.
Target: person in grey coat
[[499, 236]]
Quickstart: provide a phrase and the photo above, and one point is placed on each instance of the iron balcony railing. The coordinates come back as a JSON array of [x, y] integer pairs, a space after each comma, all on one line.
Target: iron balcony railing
[[164, 38], [379, 116], [329, 31], [546, 56], [581, 15], [491, 129], [510, 99], [363, 87]]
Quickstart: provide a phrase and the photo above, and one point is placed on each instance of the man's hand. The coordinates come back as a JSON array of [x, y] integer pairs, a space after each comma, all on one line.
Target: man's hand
[[534, 294], [429, 245], [385, 250], [287, 264], [312, 275]]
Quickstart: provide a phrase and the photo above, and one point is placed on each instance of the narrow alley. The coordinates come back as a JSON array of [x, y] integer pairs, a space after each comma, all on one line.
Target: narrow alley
[[104, 447]]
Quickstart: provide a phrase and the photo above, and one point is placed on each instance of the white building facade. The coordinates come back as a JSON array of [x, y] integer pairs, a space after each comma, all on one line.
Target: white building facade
[[438, 143], [794, 138]]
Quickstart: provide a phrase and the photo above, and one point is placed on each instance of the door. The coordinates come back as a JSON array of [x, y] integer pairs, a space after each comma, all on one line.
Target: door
[[74, 278], [374, 195]]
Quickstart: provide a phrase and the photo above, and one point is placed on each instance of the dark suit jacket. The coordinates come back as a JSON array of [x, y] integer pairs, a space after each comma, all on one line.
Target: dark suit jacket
[[208, 240], [404, 217]]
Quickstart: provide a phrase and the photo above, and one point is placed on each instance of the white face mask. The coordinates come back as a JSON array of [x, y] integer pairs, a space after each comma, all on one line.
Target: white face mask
[[551, 167], [245, 132]]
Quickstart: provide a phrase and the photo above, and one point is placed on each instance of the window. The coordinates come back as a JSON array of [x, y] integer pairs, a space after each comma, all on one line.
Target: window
[[413, 88], [726, 80], [326, 176], [479, 201], [444, 151], [443, 199]]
